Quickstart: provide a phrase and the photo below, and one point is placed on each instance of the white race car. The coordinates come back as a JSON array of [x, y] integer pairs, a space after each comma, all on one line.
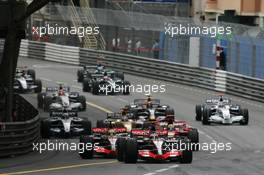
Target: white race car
[[25, 81], [224, 113], [59, 98], [63, 123]]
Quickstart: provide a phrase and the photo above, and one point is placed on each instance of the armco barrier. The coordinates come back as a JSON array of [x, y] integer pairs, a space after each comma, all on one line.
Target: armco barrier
[[18, 137], [211, 79]]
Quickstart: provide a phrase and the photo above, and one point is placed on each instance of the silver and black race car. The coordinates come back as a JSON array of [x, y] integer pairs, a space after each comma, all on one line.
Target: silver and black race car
[[108, 83], [220, 110], [149, 110], [87, 72], [25, 81], [58, 98], [63, 123]]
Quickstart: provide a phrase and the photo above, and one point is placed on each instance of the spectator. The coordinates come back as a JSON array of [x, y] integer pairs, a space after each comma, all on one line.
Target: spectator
[[156, 49], [115, 44], [222, 59], [138, 47], [129, 46]]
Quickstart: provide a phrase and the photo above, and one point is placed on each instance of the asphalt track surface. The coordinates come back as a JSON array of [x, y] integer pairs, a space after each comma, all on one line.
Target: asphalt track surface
[[246, 156]]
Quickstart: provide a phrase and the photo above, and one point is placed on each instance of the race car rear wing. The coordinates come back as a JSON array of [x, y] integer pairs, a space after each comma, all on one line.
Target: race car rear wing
[[114, 115], [109, 130], [61, 113], [144, 101], [54, 89]]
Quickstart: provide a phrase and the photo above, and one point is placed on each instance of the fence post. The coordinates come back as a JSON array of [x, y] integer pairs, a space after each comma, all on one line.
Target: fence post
[[254, 61]]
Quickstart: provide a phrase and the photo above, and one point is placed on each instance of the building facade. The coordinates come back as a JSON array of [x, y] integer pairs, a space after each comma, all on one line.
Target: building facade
[[250, 12]]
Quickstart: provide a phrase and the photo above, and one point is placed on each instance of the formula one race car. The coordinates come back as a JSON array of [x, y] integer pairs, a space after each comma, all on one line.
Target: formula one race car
[[181, 128], [58, 98], [103, 140], [160, 145], [210, 102], [87, 72], [25, 81], [107, 83], [117, 119], [220, 110], [64, 123], [149, 110]]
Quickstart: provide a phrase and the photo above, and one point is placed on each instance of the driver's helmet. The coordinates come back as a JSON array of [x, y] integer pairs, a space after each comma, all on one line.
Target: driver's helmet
[[221, 99], [61, 91], [23, 72], [149, 99], [149, 104], [152, 128], [170, 127]]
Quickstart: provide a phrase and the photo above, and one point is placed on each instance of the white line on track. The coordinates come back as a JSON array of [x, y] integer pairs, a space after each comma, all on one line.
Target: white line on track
[[45, 79], [206, 135], [162, 170], [123, 100], [53, 66], [77, 87]]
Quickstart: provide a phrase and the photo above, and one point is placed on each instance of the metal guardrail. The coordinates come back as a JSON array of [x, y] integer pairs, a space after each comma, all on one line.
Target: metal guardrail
[[18, 137], [206, 78]]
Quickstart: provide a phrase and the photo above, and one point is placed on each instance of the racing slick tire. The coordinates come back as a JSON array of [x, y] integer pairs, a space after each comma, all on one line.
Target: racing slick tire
[[193, 135], [45, 129], [86, 87], [100, 124], [198, 111], [170, 111], [81, 99], [120, 75], [41, 97], [244, 113], [47, 103], [80, 75], [126, 88], [187, 155], [206, 115], [120, 146], [87, 125], [131, 151], [32, 73], [86, 154], [95, 88], [38, 83]]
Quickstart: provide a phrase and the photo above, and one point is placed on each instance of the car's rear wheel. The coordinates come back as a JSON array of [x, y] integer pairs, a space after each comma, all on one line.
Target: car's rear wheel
[[120, 146], [95, 88], [193, 135], [170, 111], [131, 151], [47, 103], [187, 155], [245, 114], [86, 152], [38, 83], [126, 88], [41, 96], [87, 126], [100, 124], [86, 87], [45, 129], [80, 75], [206, 116], [198, 111], [81, 99], [32, 73]]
